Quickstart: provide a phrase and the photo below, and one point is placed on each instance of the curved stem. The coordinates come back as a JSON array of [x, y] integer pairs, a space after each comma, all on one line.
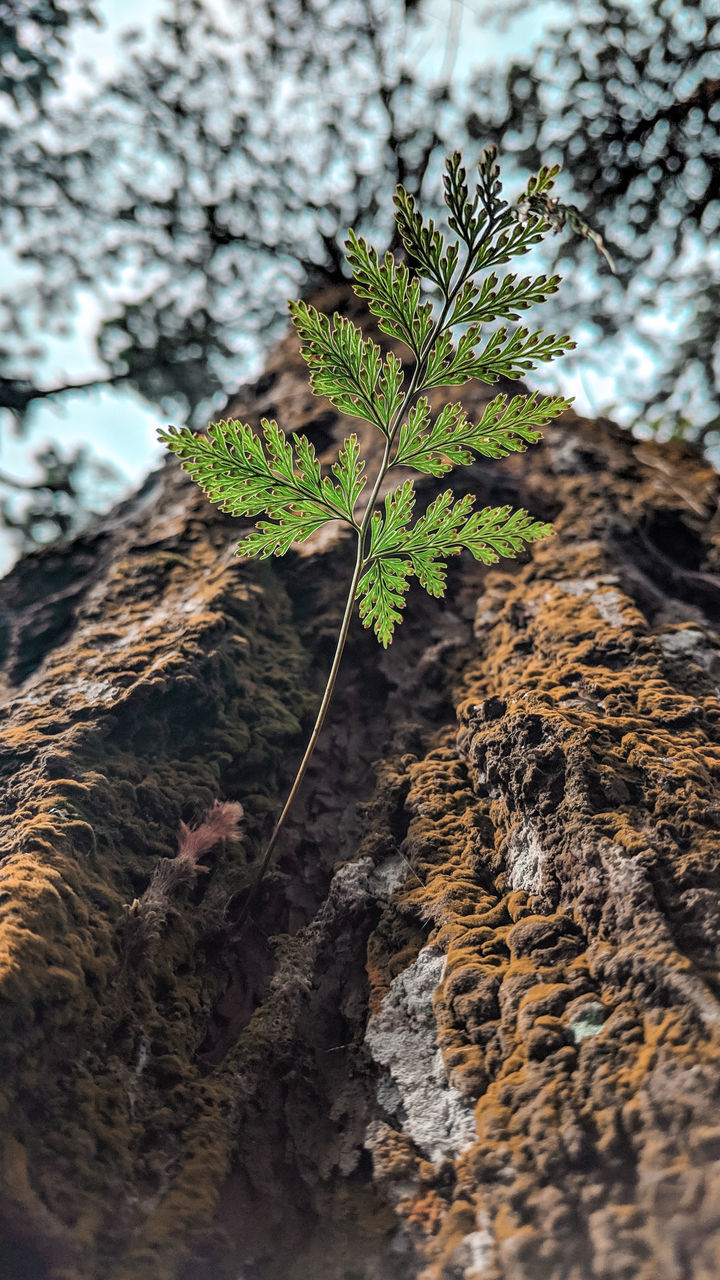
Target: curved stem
[[342, 637], [414, 390]]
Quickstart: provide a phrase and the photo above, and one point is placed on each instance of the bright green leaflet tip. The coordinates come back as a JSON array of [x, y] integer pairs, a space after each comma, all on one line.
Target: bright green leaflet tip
[[280, 479]]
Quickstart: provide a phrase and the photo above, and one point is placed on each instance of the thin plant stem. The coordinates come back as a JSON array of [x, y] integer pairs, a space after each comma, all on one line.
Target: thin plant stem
[[246, 473], [329, 687], [414, 390], [342, 637]]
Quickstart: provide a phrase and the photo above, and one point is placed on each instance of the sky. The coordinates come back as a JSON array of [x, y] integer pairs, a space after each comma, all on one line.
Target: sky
[[117, 424]]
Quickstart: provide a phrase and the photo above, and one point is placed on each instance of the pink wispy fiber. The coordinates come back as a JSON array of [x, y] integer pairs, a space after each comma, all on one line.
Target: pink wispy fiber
[[221, 822]]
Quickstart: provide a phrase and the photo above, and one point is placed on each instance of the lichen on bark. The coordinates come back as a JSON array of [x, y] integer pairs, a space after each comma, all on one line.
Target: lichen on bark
[[523, 789]]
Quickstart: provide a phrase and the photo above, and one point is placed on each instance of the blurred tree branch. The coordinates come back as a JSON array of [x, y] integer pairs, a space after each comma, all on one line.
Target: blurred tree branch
[[626, 99], [203, 184]]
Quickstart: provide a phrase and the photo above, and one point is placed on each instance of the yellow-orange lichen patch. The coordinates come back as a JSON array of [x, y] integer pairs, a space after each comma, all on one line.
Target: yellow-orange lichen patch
[[556, 858], [127, 706], [572, 878]]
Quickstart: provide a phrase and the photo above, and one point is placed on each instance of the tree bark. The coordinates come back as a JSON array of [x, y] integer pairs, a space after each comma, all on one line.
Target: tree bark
[[470, 1031]]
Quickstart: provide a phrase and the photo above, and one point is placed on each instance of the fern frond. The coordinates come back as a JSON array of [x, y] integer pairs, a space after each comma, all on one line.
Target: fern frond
[[246, 475]]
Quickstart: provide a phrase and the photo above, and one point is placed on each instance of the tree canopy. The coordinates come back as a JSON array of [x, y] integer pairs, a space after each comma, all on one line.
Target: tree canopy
[[34, 40], [626, 97], [214, 176]]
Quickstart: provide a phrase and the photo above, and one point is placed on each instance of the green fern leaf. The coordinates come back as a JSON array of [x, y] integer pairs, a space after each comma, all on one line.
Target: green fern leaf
[[500, 531], [391, 294], [381, 592], [425, 244], [491, 301], [388, 528], [348, 368], [452, 441], [245, 476], [270, 538], [281, 479], [348, 471], [432, 450], [464, 218], [502, 356]]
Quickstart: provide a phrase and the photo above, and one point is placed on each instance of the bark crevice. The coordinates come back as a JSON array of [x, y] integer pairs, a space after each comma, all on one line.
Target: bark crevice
[[472, 1027]]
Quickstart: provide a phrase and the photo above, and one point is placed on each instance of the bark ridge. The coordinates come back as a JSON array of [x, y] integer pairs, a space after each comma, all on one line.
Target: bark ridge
[[473, 1030]]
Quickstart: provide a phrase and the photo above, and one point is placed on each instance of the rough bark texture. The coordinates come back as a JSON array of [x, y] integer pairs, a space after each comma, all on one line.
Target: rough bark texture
[[471, 1032]]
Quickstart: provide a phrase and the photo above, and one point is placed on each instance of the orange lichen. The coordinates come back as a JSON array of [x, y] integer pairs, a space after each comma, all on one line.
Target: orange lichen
[[198, 1106], [587, 764]]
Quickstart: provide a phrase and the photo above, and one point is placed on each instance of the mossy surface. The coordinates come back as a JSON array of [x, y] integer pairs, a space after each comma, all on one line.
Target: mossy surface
[[523, 788], [564, 840]]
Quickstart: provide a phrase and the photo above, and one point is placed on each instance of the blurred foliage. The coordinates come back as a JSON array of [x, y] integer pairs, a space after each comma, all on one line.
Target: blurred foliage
[[626, 96], [69, 492], [215, 174], [214, 178], [34, 40]]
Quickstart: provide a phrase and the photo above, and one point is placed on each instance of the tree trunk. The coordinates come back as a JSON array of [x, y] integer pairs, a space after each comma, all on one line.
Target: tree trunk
[[470, 1031]]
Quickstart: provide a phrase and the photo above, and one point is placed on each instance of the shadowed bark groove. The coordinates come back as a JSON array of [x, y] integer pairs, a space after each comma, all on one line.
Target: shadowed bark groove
[[472, 1030]]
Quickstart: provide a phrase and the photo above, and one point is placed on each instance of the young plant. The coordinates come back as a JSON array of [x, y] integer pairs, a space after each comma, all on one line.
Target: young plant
[[249, 475]]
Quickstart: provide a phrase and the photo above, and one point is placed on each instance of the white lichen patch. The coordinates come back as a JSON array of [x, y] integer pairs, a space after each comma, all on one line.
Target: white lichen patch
[[607, 604], [390, 875], [476, 1251], [525, 858], [91, 691], [606, 600], [583, 586], [690, 643], [402, 1037], [588, 1021]]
